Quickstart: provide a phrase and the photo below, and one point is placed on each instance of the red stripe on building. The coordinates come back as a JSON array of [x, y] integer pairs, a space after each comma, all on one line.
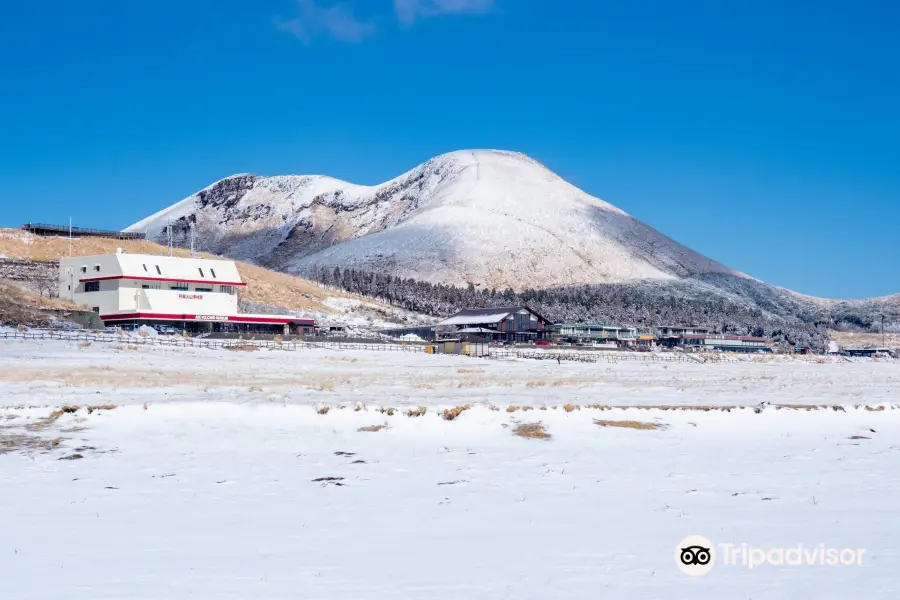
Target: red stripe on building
[[186, 317], [209, 281]]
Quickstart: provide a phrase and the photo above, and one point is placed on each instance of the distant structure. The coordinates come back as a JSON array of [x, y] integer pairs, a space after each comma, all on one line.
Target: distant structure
[[66, 230], [594, 333], [507, 324], [195, 295]]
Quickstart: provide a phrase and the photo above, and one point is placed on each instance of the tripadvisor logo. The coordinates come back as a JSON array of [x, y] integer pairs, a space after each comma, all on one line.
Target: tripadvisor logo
[[695, 555]]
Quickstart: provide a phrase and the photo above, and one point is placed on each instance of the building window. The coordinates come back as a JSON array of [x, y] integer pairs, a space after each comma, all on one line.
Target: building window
[[181, 286], [199, 289], [201, 272], [84, 268], [227, 289], [92, 286], [97, 268], [213, 271], [96, 309], [157, 270]]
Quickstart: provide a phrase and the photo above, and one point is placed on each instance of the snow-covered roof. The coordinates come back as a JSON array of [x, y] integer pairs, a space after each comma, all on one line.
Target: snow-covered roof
[[476, 330], [477, 316], [480, 316], [156, 267]]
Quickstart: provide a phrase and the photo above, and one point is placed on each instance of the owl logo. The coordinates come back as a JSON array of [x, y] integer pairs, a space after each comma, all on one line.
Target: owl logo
[[694, 556]]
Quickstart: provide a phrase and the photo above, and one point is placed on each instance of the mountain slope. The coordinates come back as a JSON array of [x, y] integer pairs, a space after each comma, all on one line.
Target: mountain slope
[[491, 218]]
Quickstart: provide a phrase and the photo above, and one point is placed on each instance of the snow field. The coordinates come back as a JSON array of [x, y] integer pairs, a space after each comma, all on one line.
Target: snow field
[[219, 474], [219, 500]]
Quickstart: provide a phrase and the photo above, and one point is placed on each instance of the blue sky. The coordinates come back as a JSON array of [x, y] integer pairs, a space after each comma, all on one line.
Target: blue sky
[[763, 134]]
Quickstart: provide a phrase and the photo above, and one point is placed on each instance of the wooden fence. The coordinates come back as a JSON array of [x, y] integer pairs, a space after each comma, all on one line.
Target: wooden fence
[[184, 342]]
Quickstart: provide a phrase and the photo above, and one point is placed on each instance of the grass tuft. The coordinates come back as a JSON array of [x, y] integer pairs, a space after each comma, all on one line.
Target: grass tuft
[[372, 428], [451, 413], [569, 407], [242, 348], [323, 410], [533, 431], [91, 409], [416, 412], [629, 424]]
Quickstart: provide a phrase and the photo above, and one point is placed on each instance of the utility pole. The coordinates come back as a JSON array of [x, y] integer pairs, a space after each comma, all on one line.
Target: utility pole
[[169, 234], [883, 345], [192, 241], [70, 237]]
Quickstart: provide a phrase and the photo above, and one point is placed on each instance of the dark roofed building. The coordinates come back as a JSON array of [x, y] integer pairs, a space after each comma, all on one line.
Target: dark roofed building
[[508, 323]]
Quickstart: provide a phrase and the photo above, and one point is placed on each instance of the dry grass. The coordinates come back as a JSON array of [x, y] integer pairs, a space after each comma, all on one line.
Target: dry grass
[[871, 340], [569, 407], [536, 383], [242, 348], [263, 286], [323, 410], [84, 345], [91, 409], [373, 428], [629, 424], [533, 431], [451, 413], [387, 411], [512, 408], [416, 412], [21, 442], [463, 370]]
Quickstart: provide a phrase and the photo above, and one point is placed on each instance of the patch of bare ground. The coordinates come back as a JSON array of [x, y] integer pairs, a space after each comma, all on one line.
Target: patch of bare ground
[[534, 431], [23, 442], [96, 407], [373, 428], [41, 424], [451, 413], [629, 424]]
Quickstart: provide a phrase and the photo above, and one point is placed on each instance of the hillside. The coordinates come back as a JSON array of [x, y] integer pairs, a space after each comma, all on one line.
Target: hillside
[[490, 218], [266, 290]]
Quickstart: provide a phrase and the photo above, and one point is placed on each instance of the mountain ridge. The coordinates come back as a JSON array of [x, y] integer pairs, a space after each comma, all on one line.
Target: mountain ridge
[[485, 217]]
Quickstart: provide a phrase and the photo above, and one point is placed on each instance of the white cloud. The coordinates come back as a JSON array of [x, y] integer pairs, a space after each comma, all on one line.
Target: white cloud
[[337, 21], [409, 10]]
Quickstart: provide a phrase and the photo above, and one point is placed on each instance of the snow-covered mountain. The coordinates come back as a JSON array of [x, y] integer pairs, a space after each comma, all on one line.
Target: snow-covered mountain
[[492, 218]]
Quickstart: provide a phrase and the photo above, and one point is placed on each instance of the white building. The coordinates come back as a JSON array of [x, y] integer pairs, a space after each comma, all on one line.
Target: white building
[[194, 294]]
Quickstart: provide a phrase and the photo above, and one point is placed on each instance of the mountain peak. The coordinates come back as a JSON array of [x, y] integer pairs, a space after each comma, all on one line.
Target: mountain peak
[[491, 217]]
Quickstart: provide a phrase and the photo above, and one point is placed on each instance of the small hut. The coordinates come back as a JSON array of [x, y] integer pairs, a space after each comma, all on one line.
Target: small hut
[[467, 344]]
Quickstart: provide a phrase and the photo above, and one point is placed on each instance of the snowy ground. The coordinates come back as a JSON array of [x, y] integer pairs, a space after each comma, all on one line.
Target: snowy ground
[[207, 490]]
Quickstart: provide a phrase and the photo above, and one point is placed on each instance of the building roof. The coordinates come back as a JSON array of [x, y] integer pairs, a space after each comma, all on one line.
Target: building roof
[[157, 268], [478, 316]]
